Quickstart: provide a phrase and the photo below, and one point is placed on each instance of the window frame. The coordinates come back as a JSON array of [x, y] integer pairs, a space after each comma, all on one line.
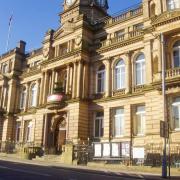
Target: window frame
[[23, 95], [18, 131], [121, 120], [103, 80], [142, 115], [176, 48], [100, 124], [28, 131], [118, 75], [177, 105], [142, 63], [171, 4], [34, 91]]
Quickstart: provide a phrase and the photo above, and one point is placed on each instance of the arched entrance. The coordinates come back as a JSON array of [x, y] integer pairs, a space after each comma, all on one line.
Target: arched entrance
[[57, 133], [60, 135]]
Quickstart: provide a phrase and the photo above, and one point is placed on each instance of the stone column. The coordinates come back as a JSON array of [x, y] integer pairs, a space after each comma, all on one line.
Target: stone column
[[85, 81], [57, 50], [128, 73], [113, 87], [38, 82], [159, 54], [148, 62], [27, 96], [92, 76], [146, 9], [79, 80], [4, 97], [46, 83], [108, 78], [56, 76], [165, 7], [52, 81], [1, 99], [68, 78], [45, 130], [11, 95], [41, 90], [71, 80], [74, 81]]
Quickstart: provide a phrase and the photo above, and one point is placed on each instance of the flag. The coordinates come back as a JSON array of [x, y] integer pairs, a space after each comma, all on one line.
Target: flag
[[10, 20]]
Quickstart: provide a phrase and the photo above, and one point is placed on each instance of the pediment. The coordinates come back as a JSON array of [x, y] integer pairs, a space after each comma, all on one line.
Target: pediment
[[166, 17], [58, 33], [63, 30]]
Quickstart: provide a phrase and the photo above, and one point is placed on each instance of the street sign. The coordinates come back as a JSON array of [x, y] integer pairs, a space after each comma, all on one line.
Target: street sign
[[164, 129]]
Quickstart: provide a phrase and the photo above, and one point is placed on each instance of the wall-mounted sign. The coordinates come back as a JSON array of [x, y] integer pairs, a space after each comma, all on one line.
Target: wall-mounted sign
[[106, 149], [138, 152], [115, 150], [112, 150], [125, 149], [97, 150]]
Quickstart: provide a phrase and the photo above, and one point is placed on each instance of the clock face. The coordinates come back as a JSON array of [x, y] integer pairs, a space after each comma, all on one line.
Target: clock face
[[69, 2]]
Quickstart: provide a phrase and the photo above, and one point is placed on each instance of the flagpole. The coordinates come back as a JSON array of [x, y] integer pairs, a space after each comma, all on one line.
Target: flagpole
[[9, 32]]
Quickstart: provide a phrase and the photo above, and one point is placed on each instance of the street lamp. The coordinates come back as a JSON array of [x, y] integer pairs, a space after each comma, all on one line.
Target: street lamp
[[166, 128]]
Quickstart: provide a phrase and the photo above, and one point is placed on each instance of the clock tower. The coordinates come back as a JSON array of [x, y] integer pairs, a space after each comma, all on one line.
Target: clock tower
[[92, 9]]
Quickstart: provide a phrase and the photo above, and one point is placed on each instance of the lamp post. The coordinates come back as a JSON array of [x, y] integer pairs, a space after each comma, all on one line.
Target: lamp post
[[164, 160]]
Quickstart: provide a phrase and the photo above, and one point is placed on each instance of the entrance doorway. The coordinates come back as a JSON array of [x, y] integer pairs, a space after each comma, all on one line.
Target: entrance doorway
[[57, 133], [59, 138]]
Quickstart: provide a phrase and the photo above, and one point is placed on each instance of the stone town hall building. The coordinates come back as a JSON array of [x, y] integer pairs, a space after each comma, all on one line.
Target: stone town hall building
[[108, 73]]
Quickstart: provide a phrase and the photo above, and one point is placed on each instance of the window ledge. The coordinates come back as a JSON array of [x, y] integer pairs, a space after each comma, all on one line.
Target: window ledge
[[139, 135], [120, 136]]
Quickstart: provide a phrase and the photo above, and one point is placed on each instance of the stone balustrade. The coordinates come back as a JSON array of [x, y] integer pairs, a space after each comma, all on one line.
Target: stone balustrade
[[170, 73], [118, 39], [126, 14]]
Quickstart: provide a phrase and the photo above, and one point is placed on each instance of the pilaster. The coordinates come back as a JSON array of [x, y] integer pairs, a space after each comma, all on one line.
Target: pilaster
[[74, 80], [148, 62]]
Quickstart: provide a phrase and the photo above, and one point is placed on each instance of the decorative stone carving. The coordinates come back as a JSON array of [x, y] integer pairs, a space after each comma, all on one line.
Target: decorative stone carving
[[165, 17], [58, 118], [78, 41], [46, 53]]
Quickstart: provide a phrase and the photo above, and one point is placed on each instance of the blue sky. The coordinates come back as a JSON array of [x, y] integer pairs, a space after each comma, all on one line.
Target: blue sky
[[32, 18]]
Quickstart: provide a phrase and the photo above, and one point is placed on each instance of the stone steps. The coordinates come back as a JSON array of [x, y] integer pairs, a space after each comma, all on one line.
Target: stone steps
[[49, 158]]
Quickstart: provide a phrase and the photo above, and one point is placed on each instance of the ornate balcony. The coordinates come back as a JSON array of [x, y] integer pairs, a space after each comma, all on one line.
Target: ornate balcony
[[173, 73], [119, 92], [121, 39], [138, 89], [56, 101]]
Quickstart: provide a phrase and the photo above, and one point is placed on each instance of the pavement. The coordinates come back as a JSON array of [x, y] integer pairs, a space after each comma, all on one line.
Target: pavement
[[13, 168]]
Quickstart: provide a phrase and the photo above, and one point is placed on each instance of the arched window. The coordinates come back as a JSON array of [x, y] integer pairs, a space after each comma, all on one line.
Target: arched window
[[4, 68], [28, 131], [120, 75], [33, 95], [101, 79], [22, 98], [176, 54], [173, 4], [140, 69]]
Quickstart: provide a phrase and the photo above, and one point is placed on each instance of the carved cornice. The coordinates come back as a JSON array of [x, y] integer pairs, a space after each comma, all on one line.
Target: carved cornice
[[121, 44], [76, 53], [165, 18], [31, 72]]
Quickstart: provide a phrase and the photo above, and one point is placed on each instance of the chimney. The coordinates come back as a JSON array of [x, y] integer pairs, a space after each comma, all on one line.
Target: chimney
[[21, 45]]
